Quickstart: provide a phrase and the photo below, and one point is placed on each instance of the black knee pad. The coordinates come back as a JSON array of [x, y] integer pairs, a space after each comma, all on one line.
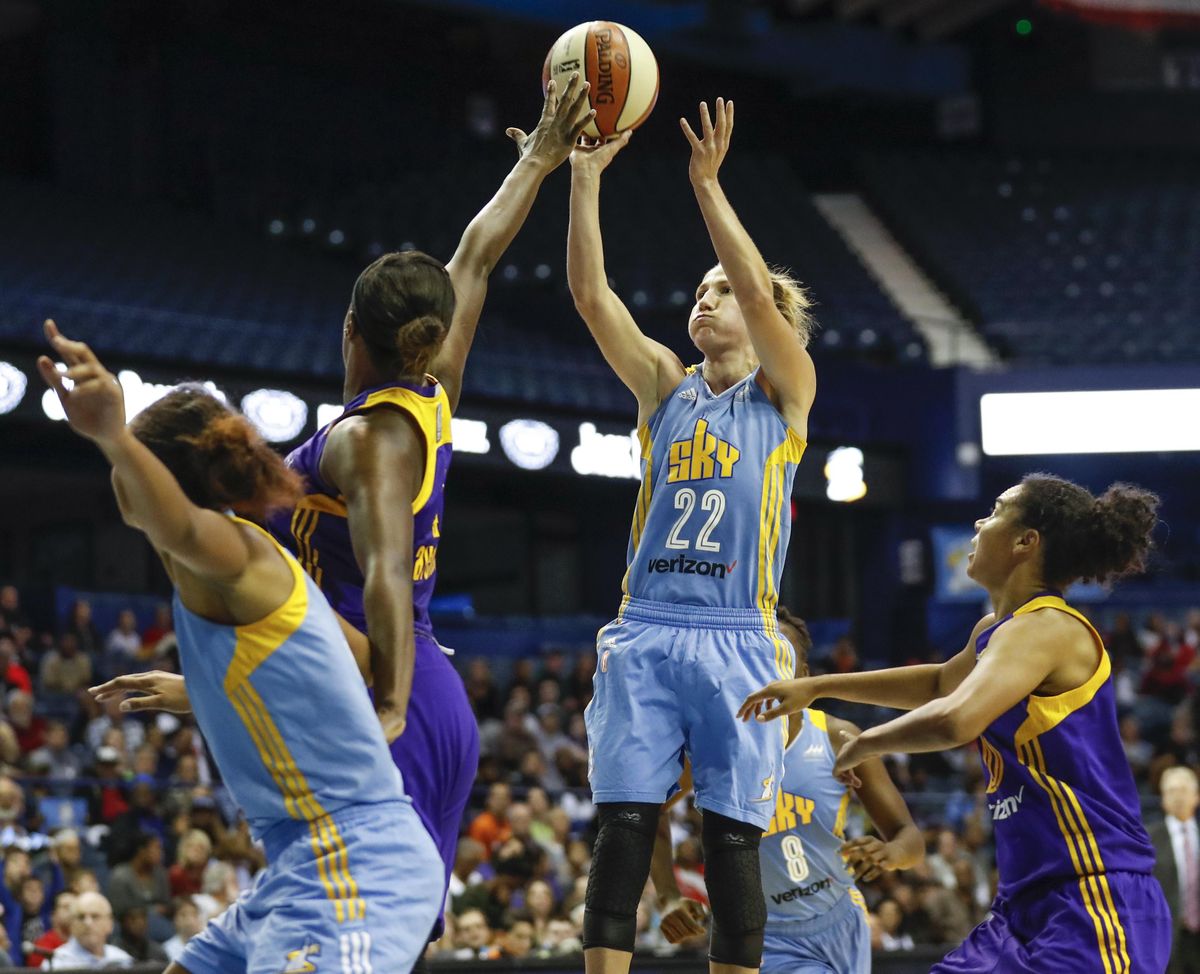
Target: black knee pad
[[620, 865], [734, 881]]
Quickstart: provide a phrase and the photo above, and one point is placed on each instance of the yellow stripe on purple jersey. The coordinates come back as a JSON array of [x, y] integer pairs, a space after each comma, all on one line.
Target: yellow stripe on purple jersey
[[256, 691], [1061, 794], [317, 532]]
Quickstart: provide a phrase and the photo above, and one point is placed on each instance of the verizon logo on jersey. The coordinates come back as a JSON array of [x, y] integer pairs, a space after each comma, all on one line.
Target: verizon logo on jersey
[[689, 566], [1007, 807]]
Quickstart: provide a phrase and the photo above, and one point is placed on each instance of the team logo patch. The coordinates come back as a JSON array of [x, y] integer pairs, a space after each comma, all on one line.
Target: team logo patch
[[297, 961]]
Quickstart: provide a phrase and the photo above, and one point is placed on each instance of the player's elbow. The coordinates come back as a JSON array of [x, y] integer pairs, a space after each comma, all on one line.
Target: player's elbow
[[958, 726]]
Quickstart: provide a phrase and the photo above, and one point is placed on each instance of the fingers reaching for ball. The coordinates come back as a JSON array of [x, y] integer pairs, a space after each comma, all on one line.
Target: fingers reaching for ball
[[711, 145]]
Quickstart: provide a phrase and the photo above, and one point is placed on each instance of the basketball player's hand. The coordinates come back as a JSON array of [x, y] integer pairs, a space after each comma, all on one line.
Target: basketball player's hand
[[683, 919], [779, 699], [562, 123], [90, 394], [850, 755], [156, 690], [591, 157], [708, 151], [868, 856], [392, 721]]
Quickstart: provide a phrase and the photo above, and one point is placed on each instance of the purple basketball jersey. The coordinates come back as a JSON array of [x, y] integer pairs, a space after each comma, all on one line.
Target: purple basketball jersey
[[317, 532]]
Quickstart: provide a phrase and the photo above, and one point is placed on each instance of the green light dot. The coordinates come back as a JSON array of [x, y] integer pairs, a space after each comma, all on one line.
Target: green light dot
[[1024, 27]]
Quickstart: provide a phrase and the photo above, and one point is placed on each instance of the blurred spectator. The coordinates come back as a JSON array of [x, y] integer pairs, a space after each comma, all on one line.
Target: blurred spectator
[[122, 646], [891, 921], [106, 798], [133, 937], [58, 934], [111, 718], [84, 881], [1177, 850], [469, 855], [539, 904], [490, 827], [562, 937], [474, 937], [141, 881], [88, 948], [66, 669], [517, 942], [59, 869], [30, 728], [56, 756], [80, 625], [139, 818], [1122, 642], [220, 889], [1137, 751], [514, 739], [14, 675], [514, 867], [31, 897], [11, 611], [188, 923], [481, 690], [161, 627], [187, 875]]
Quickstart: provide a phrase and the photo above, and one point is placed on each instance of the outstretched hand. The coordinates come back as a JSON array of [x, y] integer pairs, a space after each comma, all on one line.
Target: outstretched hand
[[709, 149], [90, 395], [562, 123], [156, 690], [592, 156], [789, 696], [850, 755]]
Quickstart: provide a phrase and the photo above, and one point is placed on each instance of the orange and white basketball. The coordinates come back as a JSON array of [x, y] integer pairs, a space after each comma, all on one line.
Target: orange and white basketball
[[620, 66]]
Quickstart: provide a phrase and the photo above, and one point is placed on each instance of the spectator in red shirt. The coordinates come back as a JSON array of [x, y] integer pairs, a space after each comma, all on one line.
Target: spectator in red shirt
[[58, 934], [187, 875], [30, 728], [11, 670], [490, 827], [161, 626]]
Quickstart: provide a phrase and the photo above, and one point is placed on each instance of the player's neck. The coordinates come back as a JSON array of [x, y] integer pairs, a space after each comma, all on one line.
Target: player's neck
[[727, 370], [1017, 589]]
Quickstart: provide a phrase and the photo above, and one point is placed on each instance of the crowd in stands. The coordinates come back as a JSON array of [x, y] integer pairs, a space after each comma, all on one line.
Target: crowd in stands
[[118, 835]]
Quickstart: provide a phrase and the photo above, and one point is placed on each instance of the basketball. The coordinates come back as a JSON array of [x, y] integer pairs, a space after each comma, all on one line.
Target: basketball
[[620, 66]]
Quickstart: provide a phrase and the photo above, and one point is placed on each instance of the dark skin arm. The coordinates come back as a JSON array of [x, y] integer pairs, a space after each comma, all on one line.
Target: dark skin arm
[[682, 917], [902, 846], [377, 461]]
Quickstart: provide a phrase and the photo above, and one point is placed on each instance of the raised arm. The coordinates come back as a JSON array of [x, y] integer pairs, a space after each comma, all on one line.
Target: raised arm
[[786, 364], [491, 231], [207, 543], [899, 687], [376, 462], [649, 370]]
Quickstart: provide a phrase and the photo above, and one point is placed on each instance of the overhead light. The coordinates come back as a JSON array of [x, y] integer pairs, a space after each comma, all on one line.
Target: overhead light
[[1110, 421], [844, 475], [278, 414], [12, 387], [529, 443], [470, 435]]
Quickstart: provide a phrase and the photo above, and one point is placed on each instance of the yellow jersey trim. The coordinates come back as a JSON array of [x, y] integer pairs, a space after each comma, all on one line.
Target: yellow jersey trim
[[818, 718], [255, 643], [1045, 713], [641, 507], [770, 518], [432, 416]]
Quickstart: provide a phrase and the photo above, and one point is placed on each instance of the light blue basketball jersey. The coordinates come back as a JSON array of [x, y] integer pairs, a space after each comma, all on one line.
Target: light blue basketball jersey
[[713, 514], [285, 712], [803, 873]]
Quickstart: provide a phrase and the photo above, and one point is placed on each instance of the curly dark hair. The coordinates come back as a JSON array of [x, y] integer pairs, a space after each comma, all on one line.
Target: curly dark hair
[[1087, 538], [216, 454]]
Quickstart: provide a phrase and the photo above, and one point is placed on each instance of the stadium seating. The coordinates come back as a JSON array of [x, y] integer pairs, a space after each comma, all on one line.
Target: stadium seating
[[1061, 259]]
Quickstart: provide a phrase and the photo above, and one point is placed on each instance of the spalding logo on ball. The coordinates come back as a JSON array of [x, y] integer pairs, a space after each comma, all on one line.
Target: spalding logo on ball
[[620, 67]]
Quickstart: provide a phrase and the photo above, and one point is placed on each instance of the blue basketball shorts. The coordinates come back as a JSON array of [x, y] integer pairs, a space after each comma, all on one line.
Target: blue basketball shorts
[[355, 892], [837, 942], [669, 681], [1052, 928]]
